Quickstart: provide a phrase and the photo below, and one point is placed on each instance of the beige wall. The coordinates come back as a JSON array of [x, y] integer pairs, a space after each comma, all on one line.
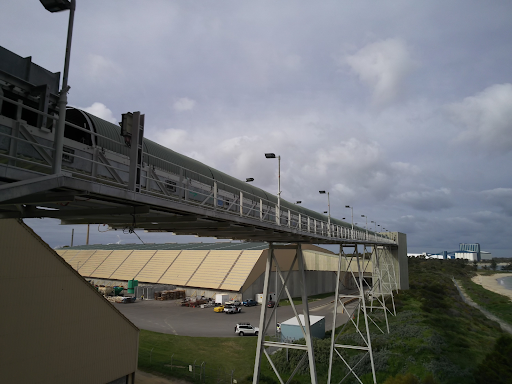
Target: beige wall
[[54, 326]]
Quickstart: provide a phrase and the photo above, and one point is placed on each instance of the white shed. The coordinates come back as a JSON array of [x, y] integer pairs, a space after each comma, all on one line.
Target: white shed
[[290, 329]]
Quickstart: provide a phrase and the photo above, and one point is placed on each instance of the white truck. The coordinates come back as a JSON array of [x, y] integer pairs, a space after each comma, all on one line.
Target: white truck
[[221, 298]]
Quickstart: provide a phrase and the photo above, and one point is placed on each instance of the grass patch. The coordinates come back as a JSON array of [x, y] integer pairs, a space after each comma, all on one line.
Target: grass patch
[[298, 300], [499, 305], [220, 354], [435, 338]]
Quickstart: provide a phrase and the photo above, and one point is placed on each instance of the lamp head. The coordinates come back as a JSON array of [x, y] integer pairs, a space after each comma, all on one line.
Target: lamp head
[[56, 5], [270, 155], [347, 206], [321, 192], [249, 179], [298, 202]]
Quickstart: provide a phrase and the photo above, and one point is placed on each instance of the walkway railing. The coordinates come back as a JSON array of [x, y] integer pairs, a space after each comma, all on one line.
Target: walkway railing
[[23, 146]]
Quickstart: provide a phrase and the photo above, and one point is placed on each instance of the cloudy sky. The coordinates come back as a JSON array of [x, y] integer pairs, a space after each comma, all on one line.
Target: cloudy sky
[[401, 109]]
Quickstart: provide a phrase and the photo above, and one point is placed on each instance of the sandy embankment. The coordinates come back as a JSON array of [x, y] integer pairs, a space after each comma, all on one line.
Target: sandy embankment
[[490, 283]]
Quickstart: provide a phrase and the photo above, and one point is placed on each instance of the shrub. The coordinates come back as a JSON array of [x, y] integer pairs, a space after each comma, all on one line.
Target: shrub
[[496, 367]]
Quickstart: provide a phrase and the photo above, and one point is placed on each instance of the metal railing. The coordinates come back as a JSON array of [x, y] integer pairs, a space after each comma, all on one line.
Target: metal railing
[[20, 148]]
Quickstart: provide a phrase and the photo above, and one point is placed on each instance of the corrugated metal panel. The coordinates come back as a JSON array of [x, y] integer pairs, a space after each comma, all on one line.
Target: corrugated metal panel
[[111, 263], [71, 254], [74, 334], [132, 265], [183, 267], [111, 131], [157, 266], [94, 262], [161, 156], [213, 269], [241, 270], [62, 253], [317, 261], [169, 246], [79, 260]]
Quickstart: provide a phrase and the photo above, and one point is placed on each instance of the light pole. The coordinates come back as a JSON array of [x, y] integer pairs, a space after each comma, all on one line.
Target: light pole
[[328, 213], [352, 208], [57, 6], [366, 226], [278, 213]]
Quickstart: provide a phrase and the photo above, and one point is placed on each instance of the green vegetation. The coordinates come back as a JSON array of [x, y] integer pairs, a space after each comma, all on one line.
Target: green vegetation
[[434, 339], [496, 367], [499, 305], [298, 300], [220, 354]]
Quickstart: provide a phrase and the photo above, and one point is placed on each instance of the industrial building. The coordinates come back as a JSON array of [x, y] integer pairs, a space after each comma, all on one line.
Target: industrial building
[[55, 327], [471, 252], [206, 269]]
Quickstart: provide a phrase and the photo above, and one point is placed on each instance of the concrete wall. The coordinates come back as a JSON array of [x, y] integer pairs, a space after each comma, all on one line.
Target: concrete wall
[[55, 327], [400, 261], [317, 282]]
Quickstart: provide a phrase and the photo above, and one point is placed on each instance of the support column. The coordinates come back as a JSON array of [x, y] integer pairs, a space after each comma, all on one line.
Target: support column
[[358, 280], [304, 322], [260, 348], [305, 305]]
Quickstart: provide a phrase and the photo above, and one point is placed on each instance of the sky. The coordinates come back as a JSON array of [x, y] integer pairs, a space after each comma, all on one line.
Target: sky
[[400, 109]]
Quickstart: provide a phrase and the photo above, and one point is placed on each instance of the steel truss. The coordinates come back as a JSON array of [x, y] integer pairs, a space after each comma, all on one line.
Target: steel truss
[[384, 271], [351, 273], [265, 322], [352, 269]]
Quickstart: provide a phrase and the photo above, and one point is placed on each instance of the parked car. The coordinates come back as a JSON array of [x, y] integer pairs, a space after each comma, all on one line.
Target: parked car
[[249, 303], [271, 304], [232, 309], [236, 303], [246, 329], [220, 308]]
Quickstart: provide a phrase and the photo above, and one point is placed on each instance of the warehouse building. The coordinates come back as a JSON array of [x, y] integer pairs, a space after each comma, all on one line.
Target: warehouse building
[[204, 269], [55, 327]]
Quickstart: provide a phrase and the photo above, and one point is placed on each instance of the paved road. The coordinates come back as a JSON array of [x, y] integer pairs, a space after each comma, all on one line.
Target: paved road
[[169, 317]]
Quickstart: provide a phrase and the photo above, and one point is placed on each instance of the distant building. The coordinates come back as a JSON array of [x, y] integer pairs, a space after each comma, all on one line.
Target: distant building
[[471, 256], [485, 255]]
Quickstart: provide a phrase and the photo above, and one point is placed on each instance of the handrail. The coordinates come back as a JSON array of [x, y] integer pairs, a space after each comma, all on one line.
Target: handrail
[[194, 189]]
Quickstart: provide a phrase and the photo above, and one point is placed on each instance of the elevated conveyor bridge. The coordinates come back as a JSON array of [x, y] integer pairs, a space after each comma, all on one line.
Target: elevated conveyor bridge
[[116, 177]]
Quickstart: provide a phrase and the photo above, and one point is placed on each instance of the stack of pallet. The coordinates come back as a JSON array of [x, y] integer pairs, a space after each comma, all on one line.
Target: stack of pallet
[[170, 295]]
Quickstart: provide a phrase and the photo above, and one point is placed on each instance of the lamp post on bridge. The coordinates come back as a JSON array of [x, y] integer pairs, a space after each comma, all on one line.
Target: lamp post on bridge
[[58, 6], [352, 208], [278, 213], [366, 225], [328, 213]]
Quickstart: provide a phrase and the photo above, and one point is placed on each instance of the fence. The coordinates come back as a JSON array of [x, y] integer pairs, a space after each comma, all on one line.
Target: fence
[[194, 371]]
